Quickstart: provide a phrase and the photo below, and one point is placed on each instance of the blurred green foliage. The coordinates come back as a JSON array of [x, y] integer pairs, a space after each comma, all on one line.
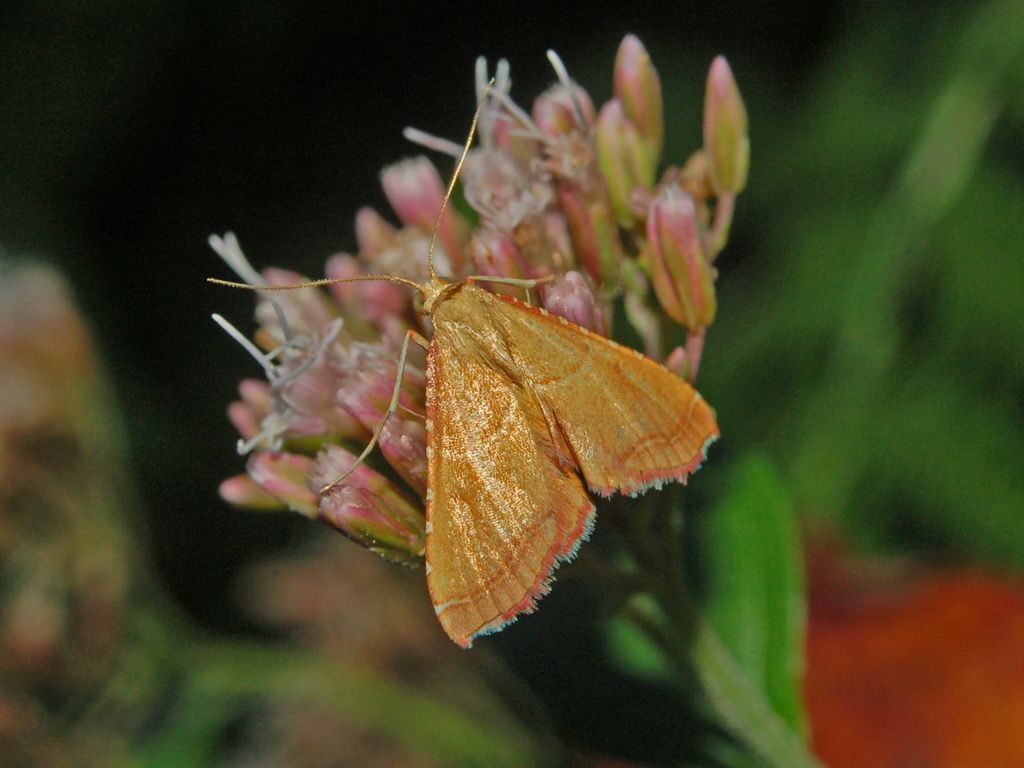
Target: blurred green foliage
[[872, 345]]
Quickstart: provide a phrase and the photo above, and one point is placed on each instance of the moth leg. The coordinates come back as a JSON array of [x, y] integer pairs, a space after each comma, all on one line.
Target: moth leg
[[410, 335], [411, 412], [521, 282]]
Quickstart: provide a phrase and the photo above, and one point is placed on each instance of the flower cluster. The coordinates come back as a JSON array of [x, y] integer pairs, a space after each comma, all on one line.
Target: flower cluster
[[563, 192]]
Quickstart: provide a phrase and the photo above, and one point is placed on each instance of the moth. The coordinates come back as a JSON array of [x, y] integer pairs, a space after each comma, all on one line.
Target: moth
[[520, 404], [526, 412]]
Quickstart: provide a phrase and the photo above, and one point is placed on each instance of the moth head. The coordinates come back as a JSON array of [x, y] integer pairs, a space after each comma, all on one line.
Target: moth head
[[433, 292]]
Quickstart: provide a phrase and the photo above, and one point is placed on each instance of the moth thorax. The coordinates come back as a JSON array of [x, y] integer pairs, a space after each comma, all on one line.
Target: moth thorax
[[433, 292]]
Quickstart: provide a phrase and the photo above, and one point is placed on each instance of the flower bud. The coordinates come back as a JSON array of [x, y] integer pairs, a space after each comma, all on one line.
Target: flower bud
[[592, 230], [571, 296], [364, 303], [494, 253], [365, 392], [726, 142], [556, 231], [307, 310], [625, 158], [559, 111], [311, 405], [694, 177], [285, 476], [682, 277], [247, 414], [243, 491], [416, 192], [637, 87], [368, 509], [373, 233]]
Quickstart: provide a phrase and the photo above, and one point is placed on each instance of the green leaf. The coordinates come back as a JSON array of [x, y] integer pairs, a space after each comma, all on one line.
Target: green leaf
[[631, 649], [755, 596]]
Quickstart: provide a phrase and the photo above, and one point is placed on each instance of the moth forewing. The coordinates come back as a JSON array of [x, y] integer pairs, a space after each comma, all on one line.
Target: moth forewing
[[519, 404]]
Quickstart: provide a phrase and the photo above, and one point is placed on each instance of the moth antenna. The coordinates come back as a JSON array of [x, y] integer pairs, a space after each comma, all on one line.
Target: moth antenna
[[455, 176], [316, 283]]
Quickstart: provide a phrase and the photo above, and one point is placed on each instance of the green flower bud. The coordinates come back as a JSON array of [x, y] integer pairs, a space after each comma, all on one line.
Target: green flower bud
[[726, 142], [682, 277]]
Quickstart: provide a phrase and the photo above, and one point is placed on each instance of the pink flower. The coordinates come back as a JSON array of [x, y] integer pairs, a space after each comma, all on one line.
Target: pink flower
[[561, 194]]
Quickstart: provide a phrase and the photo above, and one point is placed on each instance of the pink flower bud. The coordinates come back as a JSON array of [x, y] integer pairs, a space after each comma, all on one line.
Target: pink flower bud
[[404, 444], [726, 142], [559, 111], [257, 395], [416, 192], [373, 233], [312, 409], [625, 158], [247, 414], [285, 476], [593, 232], [364, 303], [682, 277], [243, 491], [571, 296], [368, 509], [307, 310], [494, 253], [637, 87], [556, 229], [243, 419]]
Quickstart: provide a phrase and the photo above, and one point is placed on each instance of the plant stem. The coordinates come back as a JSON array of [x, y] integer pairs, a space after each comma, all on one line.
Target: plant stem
[[725, 205], [694, 348], [744, 709], [693, 646]]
